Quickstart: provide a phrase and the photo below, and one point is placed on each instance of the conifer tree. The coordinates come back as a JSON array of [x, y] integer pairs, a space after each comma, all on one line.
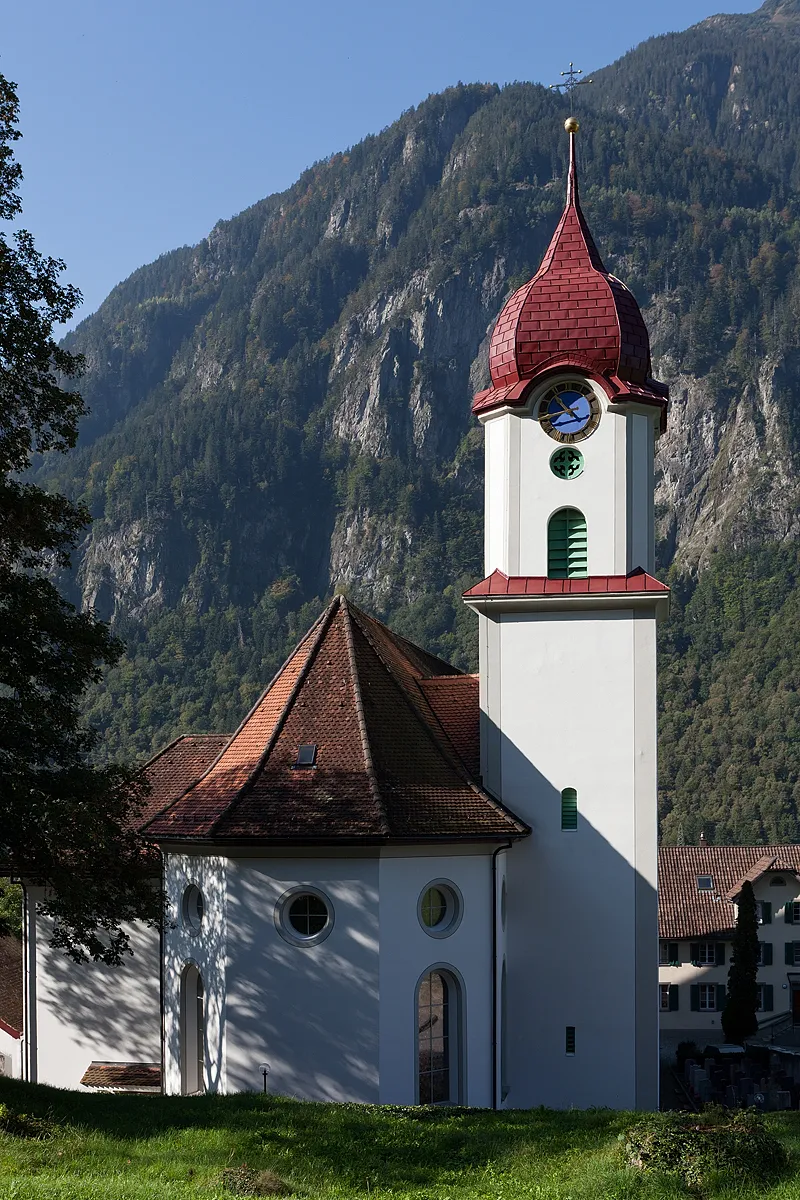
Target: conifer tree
[[739, 1020], [63, 823]]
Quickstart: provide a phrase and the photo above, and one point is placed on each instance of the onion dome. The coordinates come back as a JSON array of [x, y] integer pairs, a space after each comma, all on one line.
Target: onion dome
[[572, 315]]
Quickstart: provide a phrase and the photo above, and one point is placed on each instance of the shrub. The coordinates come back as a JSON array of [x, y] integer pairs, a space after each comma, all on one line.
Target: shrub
[[24, 1125], [245, 1181], [698, 1147]]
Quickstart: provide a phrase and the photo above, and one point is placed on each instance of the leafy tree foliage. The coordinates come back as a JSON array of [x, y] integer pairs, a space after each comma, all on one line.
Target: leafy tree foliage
[[62, 822], [739, 1020]]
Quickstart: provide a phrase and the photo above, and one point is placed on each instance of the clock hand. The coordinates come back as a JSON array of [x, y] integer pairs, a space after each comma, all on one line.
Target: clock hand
[[558, 400]]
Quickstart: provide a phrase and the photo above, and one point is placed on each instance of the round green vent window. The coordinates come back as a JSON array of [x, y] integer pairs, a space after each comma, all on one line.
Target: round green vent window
[[567, 463]]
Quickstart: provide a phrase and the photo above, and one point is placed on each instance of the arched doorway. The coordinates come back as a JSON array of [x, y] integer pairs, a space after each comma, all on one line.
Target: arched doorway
[[439, 1056], [192, 1032]]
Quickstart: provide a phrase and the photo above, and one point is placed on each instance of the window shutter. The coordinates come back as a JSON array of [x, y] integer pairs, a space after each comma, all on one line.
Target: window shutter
[[694, 997], [566, 545], [766, 912], [789, 953], [766, 954], [720, 997], [672, 954], [788, 912], [694, 953], [720, 954], [673, 997], [569, 809], [769, 1002]]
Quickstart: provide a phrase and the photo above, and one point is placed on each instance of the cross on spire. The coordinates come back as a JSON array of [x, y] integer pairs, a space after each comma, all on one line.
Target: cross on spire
[[571, 82]]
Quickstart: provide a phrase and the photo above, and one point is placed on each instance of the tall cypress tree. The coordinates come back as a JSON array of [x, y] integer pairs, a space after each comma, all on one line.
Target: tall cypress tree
[[739, 1020]]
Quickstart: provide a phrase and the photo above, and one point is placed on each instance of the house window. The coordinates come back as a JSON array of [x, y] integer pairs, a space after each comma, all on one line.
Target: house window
[[766, 1000], [707, 954], [567, 553], [763, 912], [439, 908], [764, 954], [306, 757], [793, 913], [569, 809], [668, 954], [438, 1038], [304, 916], [705, 883], [663, 997], [795, 956], [708, 997]]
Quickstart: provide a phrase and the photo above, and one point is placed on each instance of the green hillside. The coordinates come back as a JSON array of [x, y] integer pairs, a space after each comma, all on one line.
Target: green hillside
[[283, 410]]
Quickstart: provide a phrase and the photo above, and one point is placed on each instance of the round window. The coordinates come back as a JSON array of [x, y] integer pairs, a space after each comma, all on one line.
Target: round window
[[439, 908], [304, 916], [192, 907], [567, 463]]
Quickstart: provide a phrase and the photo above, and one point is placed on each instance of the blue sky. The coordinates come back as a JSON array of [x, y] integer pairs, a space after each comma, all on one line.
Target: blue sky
[[146, 121]]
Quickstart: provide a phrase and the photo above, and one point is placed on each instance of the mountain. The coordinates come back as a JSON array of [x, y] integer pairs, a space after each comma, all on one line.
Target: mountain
[[284, 409]]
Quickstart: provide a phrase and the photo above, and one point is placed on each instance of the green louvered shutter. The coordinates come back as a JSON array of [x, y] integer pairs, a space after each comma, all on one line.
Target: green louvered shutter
[[789, 952], [566, 545], [766, 913], [788, 913], [766, 954], [672, 954], [569, 809], [694, 997], [720, 952], [720, 997], [769, 998], [673, 997]]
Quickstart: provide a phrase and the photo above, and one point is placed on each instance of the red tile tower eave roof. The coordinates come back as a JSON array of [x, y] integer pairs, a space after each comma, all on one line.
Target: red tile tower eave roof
[[572, 315], [389, 763], [499, 584]]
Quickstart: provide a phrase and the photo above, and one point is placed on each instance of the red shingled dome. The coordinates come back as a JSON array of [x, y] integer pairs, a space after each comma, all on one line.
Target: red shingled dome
[[572, 314]]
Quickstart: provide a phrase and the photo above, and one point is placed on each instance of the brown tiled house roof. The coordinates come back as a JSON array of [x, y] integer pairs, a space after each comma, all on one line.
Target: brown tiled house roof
[[11, 985], [396, 737], [684, 911], [123, 1077]]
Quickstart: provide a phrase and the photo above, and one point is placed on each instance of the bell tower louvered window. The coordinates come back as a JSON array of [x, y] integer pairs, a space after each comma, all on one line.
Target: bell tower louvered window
[[566, 545]]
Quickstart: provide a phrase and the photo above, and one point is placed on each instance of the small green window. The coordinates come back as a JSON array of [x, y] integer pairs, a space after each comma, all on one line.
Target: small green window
[[569, 809], [567, 554], [567, 463]]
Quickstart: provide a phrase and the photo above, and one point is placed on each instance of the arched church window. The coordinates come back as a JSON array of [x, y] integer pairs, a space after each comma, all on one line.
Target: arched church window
[[567, 551], [192, 1032], [439, 1038]]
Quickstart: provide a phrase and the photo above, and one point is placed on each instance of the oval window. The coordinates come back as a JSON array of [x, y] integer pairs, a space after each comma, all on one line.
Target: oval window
[[439, 908], [193, 907]]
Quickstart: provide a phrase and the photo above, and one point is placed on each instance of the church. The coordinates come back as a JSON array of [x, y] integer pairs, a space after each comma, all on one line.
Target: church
[[399, 884]]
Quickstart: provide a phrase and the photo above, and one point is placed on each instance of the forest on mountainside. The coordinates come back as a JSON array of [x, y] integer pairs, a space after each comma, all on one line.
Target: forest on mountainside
[[284, 409]]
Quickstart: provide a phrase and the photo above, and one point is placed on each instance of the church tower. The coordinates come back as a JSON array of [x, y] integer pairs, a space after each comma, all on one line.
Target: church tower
[[568, 614]]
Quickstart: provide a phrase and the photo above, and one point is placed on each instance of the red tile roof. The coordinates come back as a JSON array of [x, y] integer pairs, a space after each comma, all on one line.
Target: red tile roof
[[685, 912], [178, 766], [572, 314], [11, 985], [500, 584], [392, 726], [122, 1076]]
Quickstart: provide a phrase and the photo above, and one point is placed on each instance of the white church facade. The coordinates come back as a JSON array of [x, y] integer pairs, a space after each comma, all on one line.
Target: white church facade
[[396, 883]]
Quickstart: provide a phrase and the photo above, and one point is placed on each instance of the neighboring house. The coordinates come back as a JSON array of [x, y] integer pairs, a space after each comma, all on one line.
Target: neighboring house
[[11, 1021], [378, 887], [698, 889]]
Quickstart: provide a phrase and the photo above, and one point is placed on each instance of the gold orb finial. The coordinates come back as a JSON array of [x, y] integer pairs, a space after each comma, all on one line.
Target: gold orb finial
[[571, 125]]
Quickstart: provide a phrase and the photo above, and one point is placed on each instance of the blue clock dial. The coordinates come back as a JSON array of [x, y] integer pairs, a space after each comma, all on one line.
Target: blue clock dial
[[569, 412]]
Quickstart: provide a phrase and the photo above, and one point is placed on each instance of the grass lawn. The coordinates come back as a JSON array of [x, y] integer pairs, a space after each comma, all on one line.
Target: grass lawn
[[110, 1147]]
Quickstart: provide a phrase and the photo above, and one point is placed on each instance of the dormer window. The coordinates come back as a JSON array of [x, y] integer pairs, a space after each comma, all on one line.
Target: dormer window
[[306, 757], [705, 883], [777, 881]]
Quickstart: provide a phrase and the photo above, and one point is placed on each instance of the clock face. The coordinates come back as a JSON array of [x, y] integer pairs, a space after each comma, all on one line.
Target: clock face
[[569, 412]]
